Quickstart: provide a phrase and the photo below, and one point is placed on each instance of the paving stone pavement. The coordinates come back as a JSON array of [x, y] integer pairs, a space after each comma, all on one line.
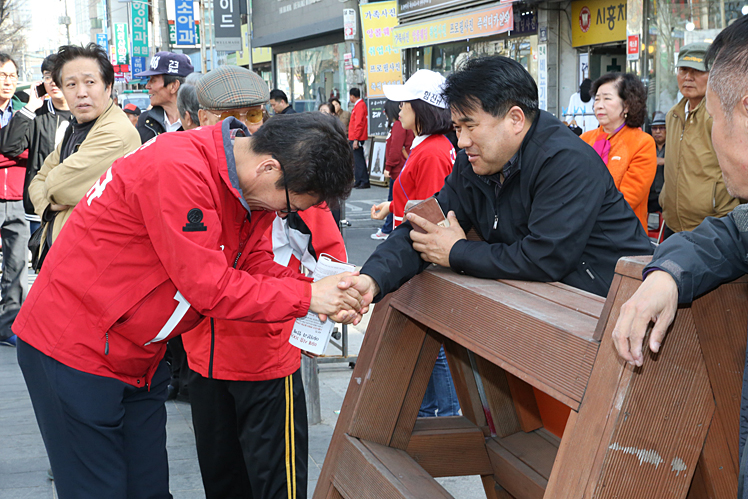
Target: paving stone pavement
[[24, 464]]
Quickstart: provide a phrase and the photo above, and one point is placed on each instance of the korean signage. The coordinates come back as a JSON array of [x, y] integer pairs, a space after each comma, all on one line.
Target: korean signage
[[228, 29], [185, 22], [383, 62], [525, 21], [407, 7], [597, 21], [121, 43], [543, 76], [349, 24], [632, 48], [377, 118], [138, 65], [482, 22], [139, 15], [173, 33], [102, 40]]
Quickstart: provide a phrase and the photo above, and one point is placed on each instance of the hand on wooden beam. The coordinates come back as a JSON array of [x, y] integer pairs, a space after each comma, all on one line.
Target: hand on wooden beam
[[435, 245], [656, 301]]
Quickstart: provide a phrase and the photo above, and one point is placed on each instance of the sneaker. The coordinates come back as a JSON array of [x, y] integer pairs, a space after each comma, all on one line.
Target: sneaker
[[9, 342], [379, 235]]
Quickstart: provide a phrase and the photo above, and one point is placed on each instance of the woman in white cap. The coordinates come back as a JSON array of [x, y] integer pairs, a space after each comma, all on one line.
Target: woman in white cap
[[424, 111]]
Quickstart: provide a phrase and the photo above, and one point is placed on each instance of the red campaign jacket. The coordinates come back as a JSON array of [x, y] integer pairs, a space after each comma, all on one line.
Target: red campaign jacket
[[398, 139], [251, 351], [358, 127], [430, 161], [12, 176], [148, 252]]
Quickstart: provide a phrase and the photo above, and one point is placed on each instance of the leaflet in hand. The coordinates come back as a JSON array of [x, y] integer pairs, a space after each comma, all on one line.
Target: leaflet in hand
[[309, 333]]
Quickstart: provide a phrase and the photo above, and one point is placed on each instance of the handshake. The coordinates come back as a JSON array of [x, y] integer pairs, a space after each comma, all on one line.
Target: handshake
[[343, 297]]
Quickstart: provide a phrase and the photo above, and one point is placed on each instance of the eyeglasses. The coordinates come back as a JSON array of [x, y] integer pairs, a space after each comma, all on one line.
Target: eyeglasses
[[8, 76], [251, 115], [47, 78], [288, 198]]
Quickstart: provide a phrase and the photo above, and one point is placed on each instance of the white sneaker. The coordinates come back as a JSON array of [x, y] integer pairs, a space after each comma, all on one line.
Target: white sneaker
[[379, 235]]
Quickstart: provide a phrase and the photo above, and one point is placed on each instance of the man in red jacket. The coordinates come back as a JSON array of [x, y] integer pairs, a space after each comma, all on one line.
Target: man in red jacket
[[172, 232], [358, 132], [14, 229]]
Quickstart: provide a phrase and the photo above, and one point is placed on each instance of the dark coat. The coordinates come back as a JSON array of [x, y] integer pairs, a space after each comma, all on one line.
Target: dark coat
[[557, 217], [151, 123], [37, 134]]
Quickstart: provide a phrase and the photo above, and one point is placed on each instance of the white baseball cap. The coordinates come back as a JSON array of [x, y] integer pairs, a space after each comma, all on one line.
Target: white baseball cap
[[425, 85]]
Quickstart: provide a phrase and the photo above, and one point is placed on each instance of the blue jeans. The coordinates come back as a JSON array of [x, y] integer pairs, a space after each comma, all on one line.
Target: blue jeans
[[440, 398], [387, 227]]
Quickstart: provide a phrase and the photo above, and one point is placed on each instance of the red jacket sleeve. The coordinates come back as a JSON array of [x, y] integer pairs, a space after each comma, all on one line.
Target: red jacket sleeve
[[357, 128], [326, 236], [394, 147]]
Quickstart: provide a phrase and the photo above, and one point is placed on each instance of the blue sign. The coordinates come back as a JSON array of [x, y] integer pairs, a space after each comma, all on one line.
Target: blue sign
[[185, 22], [138, 65], [103, 41]]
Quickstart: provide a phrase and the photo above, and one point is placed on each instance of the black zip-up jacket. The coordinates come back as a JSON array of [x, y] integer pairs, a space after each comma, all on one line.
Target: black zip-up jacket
[[151, 123], [557, 217], [35, 132]]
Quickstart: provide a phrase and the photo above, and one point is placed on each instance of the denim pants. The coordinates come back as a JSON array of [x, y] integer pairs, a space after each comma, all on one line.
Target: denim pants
[[440, 398], [387, 227], [14, 230]]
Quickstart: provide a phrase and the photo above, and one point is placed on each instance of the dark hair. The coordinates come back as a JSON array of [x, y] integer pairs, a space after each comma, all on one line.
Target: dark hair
[[6, 57], [727, 59], [169, 79], [496, 84], [631, 90], [329, 106], [392, 111], [187, 102], [355, 92], [93, 51], [334, 99], [431, 119], [313, 149], [277, 95], [584, 90], [48, 63]]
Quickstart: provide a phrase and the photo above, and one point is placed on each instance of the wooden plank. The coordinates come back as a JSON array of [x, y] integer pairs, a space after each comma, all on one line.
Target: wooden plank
[[532, 449], [467, 390], [499, 397], [412, 477], [632, 266], [387, 380], [512, 474], [499, 491], [416, 390], [333, 493], [561, 294], [720, 318], [525, 404], [540, 342], [698, 487], [449, 446], [719, 474], [366, 358]]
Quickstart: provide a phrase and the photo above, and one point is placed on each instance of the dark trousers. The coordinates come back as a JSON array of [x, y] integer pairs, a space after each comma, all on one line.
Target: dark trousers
[[104, 438], [252, 440], [178, 364], [390, 219], [14, 230], [360, 170]]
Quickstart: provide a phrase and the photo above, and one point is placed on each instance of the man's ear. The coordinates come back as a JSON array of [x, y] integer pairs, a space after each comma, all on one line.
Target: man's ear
[[174, 86], [202, 115], [268, 164], [517, 118]]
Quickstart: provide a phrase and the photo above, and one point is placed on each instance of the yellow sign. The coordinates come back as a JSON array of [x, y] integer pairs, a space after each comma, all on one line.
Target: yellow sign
[[383, 61], [597, 21], [259, 54], [483, 22]]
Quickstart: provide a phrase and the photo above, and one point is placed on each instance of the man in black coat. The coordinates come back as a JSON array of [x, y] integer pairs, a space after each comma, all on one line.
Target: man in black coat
[[165, 75], [542, 201]]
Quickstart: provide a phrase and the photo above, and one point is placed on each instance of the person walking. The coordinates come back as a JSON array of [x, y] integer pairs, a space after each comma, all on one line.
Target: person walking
[[628, 152], [357, 134]]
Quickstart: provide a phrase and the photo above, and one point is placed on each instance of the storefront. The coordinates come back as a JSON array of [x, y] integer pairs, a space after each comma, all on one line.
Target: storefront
[[598, 32], [309, 51]]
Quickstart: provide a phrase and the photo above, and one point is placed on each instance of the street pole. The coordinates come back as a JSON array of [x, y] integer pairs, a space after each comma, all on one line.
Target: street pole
[[202, 37], [164, 26]]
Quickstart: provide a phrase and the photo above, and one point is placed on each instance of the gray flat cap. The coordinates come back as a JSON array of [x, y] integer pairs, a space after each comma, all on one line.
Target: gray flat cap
[[231, 87]]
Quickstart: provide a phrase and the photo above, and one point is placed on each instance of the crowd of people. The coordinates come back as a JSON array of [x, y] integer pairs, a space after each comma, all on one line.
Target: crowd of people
[[170, 242]]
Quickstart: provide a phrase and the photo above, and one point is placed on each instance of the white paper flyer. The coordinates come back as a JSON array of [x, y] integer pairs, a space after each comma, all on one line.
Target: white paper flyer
[[309, 333]]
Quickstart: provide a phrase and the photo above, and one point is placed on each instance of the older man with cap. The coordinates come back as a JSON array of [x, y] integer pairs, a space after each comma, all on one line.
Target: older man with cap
[[693, 188], [232, 91], [165, 75]]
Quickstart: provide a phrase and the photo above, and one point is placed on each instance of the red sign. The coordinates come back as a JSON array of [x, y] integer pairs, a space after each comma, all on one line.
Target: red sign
[[585, 19], [632, 48]]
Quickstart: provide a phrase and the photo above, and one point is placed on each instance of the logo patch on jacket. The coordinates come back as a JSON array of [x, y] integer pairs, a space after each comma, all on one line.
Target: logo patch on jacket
[[194, 221]]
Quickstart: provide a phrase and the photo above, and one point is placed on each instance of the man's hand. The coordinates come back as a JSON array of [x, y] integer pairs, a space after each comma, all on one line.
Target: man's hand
[[355, 144], [656, 300], [35, 102], [380, 211], [58, 207], [341, 303], [435, 245]]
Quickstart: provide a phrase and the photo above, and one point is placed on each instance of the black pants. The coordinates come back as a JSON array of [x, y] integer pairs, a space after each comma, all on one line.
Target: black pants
[[104, 438], [360, 170], [179, 367], [251, 437]]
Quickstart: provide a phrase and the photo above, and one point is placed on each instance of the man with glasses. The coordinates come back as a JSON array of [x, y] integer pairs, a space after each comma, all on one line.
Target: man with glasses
[[232, 91], [166, 74], [14, 229]]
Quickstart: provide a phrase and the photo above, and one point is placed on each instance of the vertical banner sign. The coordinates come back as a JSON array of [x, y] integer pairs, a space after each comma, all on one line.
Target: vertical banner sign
[[121, 43], [632, 48], [139, 15], [138, 65], [543, 76], [349, 24], [185, 22], [383, 61], [377, 118], [228, 28], [102, 40]]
